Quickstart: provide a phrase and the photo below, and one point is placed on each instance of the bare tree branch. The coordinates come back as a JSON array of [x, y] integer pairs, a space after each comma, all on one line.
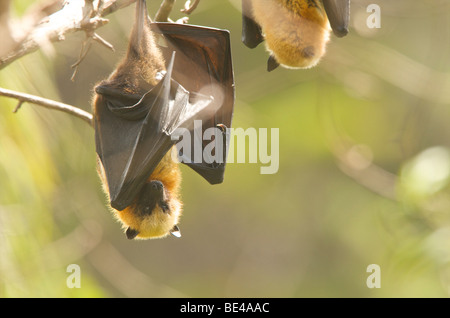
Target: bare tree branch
[[110, 6], [47, 103], [5, 28], [76, 15], [86, 46], [102, 41], [34, 14]]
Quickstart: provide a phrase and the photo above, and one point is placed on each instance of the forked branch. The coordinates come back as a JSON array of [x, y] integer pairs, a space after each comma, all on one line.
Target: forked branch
[[76, 15]]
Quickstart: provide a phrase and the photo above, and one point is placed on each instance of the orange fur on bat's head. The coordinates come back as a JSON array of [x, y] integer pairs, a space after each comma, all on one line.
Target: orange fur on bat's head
[[157, 209]]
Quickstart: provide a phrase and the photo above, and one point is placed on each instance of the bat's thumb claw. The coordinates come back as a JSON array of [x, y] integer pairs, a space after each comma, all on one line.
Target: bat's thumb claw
[[272, 63], [175, 231]]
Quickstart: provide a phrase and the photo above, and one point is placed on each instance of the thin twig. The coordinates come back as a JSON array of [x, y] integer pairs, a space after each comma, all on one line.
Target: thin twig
[[103, 42], [47, 103], [19, 104], [85, 47]]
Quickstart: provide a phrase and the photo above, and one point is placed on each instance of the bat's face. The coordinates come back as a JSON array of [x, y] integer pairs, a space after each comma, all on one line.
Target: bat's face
[[154, 214], [296, 31]]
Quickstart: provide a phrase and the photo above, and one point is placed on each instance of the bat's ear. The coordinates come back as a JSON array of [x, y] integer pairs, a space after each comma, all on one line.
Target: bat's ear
[[175, 231], [131, 233], [272, 63]]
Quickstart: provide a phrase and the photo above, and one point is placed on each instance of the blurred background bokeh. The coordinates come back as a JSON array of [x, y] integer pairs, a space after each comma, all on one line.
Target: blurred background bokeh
[[364, 171]]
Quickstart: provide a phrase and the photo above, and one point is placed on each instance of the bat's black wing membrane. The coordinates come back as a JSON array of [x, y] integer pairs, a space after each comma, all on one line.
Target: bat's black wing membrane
[[203, 66], [338, 12], [251, 31], [133, 132]]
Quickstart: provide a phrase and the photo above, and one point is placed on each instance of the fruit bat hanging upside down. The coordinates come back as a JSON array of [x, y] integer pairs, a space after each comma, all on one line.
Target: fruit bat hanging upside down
[[172, 75]]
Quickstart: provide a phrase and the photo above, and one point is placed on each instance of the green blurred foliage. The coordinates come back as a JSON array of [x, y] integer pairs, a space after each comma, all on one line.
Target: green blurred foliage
[[310, 230]]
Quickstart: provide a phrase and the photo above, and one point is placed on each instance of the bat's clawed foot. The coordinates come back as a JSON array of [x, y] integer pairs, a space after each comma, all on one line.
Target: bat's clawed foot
[[222, 128], [160, 75], [189, 8]]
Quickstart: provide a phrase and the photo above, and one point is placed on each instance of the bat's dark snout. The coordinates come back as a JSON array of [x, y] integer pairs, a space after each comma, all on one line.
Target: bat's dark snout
[[156, 186], [158, 195], [152, 194]]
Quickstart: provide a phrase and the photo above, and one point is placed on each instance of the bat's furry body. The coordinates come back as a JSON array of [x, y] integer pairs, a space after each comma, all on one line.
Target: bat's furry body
[[296, 32]]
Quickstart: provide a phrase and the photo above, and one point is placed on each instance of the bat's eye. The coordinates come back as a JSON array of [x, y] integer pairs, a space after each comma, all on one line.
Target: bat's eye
[[164, 207], [145, 209]]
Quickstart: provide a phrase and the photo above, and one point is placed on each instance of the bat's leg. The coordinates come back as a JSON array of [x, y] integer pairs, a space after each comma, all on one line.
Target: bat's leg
[[189, 8]]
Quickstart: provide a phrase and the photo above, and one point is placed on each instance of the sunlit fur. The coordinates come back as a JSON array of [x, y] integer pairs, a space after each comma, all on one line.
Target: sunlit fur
[[141, 64], [157, 223], [295, 31]]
